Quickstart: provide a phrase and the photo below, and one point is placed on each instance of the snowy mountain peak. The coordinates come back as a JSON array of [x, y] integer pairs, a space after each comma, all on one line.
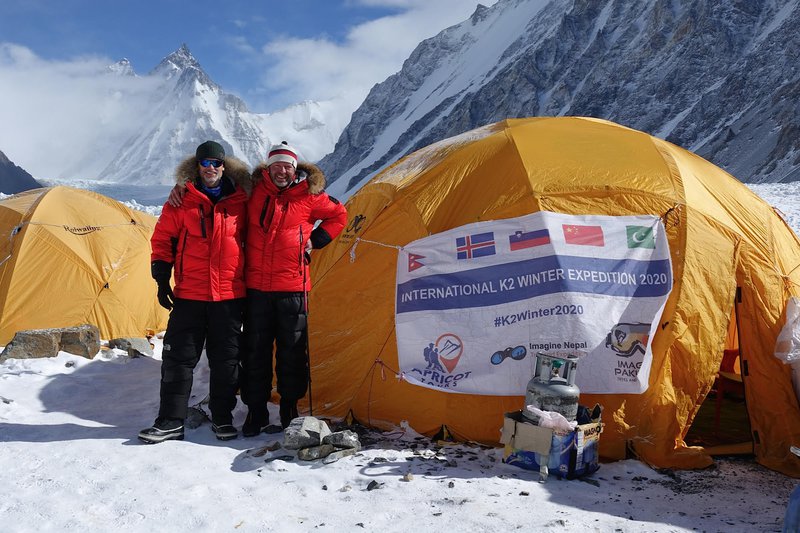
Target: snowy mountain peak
[[481, 12], [180, 106], [122, 67], [717, 78], [177, 62]]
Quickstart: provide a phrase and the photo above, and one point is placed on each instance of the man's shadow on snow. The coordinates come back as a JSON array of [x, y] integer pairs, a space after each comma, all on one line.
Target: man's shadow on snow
[[112, 399], [109, 399]]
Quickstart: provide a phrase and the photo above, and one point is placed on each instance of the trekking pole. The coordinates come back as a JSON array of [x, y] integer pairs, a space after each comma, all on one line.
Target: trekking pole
[[305, 331]]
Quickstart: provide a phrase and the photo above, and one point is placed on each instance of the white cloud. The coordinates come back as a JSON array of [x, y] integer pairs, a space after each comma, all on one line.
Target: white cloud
[[321, 69], [55, 112]]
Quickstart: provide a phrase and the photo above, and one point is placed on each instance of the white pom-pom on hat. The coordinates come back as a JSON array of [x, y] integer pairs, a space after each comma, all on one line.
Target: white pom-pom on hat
[[282, 153]]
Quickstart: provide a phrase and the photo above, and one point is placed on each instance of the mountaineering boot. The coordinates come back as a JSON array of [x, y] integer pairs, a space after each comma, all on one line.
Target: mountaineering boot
[[224, 431], [255, 424], [161, 430], [288, 412], [222, 425]]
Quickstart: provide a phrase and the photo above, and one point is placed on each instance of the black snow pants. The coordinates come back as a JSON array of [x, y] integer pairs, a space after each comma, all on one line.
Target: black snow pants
[[191, 324], [279, 319]]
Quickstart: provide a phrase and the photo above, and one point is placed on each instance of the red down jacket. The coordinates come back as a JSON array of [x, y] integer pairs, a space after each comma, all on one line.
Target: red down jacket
[[205, 243], [280, 222]]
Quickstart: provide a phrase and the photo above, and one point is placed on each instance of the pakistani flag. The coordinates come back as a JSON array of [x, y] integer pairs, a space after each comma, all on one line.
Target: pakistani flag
[[640, 237]]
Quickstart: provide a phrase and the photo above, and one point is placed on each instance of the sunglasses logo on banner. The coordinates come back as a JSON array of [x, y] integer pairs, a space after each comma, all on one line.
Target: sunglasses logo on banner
[[517, 354], [627, 339]]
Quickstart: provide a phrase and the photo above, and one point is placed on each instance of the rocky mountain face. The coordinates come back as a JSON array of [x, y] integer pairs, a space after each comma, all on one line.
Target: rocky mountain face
[[14, 179], [186, 107], [718, 78]]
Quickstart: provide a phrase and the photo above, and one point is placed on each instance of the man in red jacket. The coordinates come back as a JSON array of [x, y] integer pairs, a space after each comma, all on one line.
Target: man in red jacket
[[203, 240], [288, 199]]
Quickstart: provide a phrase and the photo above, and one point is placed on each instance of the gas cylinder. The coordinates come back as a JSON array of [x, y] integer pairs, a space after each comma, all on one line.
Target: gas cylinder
[[552, 387]]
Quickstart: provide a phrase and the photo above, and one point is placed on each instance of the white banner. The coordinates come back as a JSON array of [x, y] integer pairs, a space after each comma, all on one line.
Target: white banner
[[475, 304]]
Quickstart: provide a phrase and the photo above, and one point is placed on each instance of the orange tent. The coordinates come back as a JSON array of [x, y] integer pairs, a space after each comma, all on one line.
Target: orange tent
[[734, 267], [69, 257]]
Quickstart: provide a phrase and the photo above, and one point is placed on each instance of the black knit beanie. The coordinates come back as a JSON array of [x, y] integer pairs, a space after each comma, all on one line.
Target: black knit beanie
[[210, 150]]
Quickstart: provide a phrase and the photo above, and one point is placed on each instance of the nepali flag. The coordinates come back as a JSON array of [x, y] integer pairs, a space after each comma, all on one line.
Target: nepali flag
[[414, 262], [478, 245], [521, 240], [583, 235]]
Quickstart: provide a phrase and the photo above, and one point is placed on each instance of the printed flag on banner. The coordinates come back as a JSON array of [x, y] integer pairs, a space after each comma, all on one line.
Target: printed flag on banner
[[478, 245], [583, 235], [640, 237], [475, 326], [521, 240], [414, 262]]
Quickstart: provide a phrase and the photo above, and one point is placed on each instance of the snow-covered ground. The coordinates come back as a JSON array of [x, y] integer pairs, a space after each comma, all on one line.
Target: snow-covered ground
[[70, 460]]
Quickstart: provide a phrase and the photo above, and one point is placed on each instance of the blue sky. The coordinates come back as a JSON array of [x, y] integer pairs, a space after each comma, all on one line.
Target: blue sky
[[270, 53]]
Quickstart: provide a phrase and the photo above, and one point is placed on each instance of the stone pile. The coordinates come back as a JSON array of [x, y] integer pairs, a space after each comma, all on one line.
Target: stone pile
[[83, 340], [35, 343], [313, 439]]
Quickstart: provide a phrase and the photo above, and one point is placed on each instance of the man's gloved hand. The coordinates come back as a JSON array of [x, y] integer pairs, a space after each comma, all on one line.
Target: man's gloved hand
[[165, 296], [161, 272]]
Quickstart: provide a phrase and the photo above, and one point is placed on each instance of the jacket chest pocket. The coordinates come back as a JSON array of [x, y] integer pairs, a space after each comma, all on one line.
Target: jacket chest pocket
[[199, 222], [273, 212], [231, 223]]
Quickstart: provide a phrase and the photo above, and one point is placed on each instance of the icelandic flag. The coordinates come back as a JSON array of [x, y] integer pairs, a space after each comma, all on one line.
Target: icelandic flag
[[477, 245], [521, 240]]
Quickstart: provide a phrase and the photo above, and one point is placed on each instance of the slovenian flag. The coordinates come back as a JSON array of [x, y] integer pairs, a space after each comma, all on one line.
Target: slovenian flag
[[521, 240]]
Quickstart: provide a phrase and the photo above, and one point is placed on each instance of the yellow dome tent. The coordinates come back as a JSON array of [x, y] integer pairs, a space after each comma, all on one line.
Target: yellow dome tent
[[734, 260], [71, 257]]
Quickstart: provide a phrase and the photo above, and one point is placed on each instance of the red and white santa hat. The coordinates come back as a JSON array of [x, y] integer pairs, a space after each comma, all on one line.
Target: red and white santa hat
[[282, 153]]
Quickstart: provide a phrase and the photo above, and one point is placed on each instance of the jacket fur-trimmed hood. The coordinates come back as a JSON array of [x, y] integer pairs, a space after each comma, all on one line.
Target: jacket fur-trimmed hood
[[305, 171], [234, 169]]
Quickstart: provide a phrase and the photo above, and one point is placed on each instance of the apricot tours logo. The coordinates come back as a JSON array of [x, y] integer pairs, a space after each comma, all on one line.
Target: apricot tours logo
[[441, 358]]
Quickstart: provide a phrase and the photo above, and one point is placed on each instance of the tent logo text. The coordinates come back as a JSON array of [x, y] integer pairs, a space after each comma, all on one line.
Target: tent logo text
[[82, 230]]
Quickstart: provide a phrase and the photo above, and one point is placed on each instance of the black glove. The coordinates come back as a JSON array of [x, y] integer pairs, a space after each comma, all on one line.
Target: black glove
[[320, 238], [161, 272], [165, 296]]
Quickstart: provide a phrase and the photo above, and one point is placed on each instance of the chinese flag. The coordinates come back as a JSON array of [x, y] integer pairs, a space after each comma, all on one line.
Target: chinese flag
[[583, 235]]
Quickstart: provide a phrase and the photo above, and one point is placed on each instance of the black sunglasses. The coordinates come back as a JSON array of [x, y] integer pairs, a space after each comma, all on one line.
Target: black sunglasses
[[216, 163]]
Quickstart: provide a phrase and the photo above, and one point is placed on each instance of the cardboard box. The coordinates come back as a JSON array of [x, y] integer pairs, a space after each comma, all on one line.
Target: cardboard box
[[536, 448]]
